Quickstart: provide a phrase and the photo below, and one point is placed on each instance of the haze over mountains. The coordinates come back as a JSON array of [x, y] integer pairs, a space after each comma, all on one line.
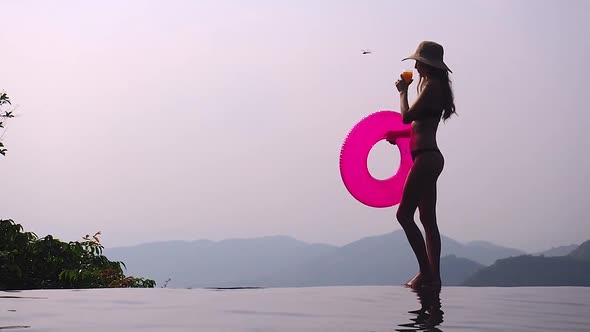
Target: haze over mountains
[[282, 261], [558, 251]]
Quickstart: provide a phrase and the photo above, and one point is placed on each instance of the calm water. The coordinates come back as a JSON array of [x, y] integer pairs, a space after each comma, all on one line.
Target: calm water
[[379, 308]]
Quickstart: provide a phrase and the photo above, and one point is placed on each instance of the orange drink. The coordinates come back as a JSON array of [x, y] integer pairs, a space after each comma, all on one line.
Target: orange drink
[[407, 75]]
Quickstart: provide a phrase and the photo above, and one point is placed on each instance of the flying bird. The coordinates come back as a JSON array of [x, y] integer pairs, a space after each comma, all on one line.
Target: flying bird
[[366, 51]]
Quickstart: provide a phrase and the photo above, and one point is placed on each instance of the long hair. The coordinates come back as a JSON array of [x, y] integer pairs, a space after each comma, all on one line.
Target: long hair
[[448, 99]]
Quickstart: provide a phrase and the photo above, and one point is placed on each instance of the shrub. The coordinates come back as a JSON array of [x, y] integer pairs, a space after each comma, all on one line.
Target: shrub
[[29, 262]]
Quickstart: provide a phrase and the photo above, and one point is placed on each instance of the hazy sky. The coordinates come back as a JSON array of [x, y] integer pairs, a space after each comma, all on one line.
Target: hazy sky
[[159, 120]]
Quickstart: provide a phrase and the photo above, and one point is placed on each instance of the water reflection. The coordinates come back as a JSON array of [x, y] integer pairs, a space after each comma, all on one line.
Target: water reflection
[[429, 316]]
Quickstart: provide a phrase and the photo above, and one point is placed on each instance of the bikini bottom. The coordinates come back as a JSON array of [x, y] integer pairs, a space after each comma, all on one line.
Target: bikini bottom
[[418, 152]]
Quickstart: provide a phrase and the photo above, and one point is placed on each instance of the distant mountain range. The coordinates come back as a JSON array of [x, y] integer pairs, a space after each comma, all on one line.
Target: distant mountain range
[[582, 252], [528, 270], [281, 261]]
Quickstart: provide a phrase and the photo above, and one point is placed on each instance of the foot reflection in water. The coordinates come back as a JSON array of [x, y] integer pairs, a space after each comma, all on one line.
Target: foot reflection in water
[[429, 316]]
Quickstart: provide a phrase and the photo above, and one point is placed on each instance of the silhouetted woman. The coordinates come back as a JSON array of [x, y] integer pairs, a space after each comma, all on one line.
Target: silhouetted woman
[[434, 101]]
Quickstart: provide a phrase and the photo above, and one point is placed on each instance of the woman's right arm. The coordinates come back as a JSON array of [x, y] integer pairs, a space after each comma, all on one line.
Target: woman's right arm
[[422, 105]]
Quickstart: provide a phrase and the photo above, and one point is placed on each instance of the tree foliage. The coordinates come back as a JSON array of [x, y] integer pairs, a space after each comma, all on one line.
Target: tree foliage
[[4, 116], [29, 262]]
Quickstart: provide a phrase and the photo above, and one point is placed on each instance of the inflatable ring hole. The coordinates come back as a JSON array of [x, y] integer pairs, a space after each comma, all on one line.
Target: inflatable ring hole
[[383, 160]]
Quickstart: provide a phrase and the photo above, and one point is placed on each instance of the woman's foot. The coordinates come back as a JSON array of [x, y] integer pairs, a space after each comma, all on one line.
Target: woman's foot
[[416, 281], [423, 280]]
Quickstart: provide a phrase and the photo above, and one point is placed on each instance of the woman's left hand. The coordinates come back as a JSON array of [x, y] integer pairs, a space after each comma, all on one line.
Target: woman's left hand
[[402, 85], [390, 136]]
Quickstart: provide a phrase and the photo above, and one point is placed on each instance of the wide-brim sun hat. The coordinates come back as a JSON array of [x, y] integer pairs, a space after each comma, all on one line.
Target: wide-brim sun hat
[[430, 53]]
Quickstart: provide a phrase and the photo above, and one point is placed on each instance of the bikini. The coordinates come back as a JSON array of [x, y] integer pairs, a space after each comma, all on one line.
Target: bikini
[[420, 151]]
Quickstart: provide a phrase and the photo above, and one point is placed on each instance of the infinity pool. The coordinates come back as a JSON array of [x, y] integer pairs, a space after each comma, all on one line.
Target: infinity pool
[[368, 308]]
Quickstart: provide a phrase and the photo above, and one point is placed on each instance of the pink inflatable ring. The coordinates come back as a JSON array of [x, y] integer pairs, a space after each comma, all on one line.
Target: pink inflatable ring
[[355, 152]]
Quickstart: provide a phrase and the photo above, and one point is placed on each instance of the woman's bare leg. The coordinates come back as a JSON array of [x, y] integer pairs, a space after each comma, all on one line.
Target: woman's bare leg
[[420, 190], [405, 216], [427, 207]]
